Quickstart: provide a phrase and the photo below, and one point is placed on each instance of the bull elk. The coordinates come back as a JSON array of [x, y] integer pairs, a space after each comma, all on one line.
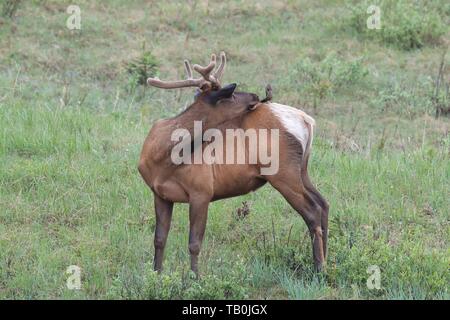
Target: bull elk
[[223, 108]]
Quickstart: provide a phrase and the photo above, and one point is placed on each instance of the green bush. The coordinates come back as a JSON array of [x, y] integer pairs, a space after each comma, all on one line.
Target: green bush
[[404, 99], [304, 289], [404, 24], [321, 79], [141, 68], [407, 269], [10, 7], [227, 283]]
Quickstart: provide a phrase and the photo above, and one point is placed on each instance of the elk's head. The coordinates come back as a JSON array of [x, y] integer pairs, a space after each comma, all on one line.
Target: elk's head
[[213, 103]]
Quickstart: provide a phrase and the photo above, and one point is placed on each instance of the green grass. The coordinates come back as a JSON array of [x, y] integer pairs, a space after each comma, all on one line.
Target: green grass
[[71, 132]]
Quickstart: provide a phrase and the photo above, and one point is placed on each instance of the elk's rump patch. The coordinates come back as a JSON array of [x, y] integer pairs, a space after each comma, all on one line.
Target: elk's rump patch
[[295, 121]]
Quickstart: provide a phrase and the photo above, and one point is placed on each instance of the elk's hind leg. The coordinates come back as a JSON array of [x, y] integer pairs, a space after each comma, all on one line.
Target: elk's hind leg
[[304, 203], [163, 211], [323, 205]]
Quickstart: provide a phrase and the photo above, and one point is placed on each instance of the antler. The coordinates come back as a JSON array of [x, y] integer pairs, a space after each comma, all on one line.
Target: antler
[[218, 73], [206, 71], [206, 82]]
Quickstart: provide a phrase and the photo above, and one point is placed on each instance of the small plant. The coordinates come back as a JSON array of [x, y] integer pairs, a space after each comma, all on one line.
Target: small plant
[[226, 283], [141, 68], [10, 7], [321, 79], [404, 99], [441, 99], [243, 211], [425, 96]]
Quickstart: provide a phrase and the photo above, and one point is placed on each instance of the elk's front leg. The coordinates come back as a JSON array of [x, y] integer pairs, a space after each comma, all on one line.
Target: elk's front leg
[[163, 211], [198, 212]]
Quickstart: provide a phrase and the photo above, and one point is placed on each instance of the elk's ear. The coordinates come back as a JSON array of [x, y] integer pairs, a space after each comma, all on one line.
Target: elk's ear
[[223, 93], [253, 105]]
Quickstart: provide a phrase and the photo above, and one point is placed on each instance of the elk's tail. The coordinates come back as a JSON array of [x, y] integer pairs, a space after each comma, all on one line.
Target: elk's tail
[[310, 125]]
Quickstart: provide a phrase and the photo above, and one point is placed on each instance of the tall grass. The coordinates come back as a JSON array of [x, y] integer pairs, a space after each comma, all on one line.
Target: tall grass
[[71, 133]]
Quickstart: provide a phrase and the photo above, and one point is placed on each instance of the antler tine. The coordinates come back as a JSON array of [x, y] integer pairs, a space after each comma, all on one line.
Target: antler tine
[[155, 82], [206, 71], [218, 73], [189, 82]]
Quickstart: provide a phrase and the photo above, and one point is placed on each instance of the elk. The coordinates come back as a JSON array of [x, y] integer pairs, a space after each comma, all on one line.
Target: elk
[[224, 108]]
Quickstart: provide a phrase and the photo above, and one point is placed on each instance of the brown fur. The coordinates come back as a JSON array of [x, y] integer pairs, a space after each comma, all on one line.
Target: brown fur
[[198, 185]]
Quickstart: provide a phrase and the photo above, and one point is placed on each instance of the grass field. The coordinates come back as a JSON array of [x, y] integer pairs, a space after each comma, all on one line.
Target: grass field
[[73, 120]]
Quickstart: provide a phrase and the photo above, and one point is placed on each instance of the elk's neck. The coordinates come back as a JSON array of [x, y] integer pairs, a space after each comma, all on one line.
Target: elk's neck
[[161, 133], [187, 120]]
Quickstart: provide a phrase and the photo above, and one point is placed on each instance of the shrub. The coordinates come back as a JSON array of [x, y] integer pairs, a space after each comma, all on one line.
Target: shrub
[[320, 79], [441, 95], [405, 99], [404, 24], [228, 283], [304, 289], [10, 7], [407, 269], [141, 68]]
